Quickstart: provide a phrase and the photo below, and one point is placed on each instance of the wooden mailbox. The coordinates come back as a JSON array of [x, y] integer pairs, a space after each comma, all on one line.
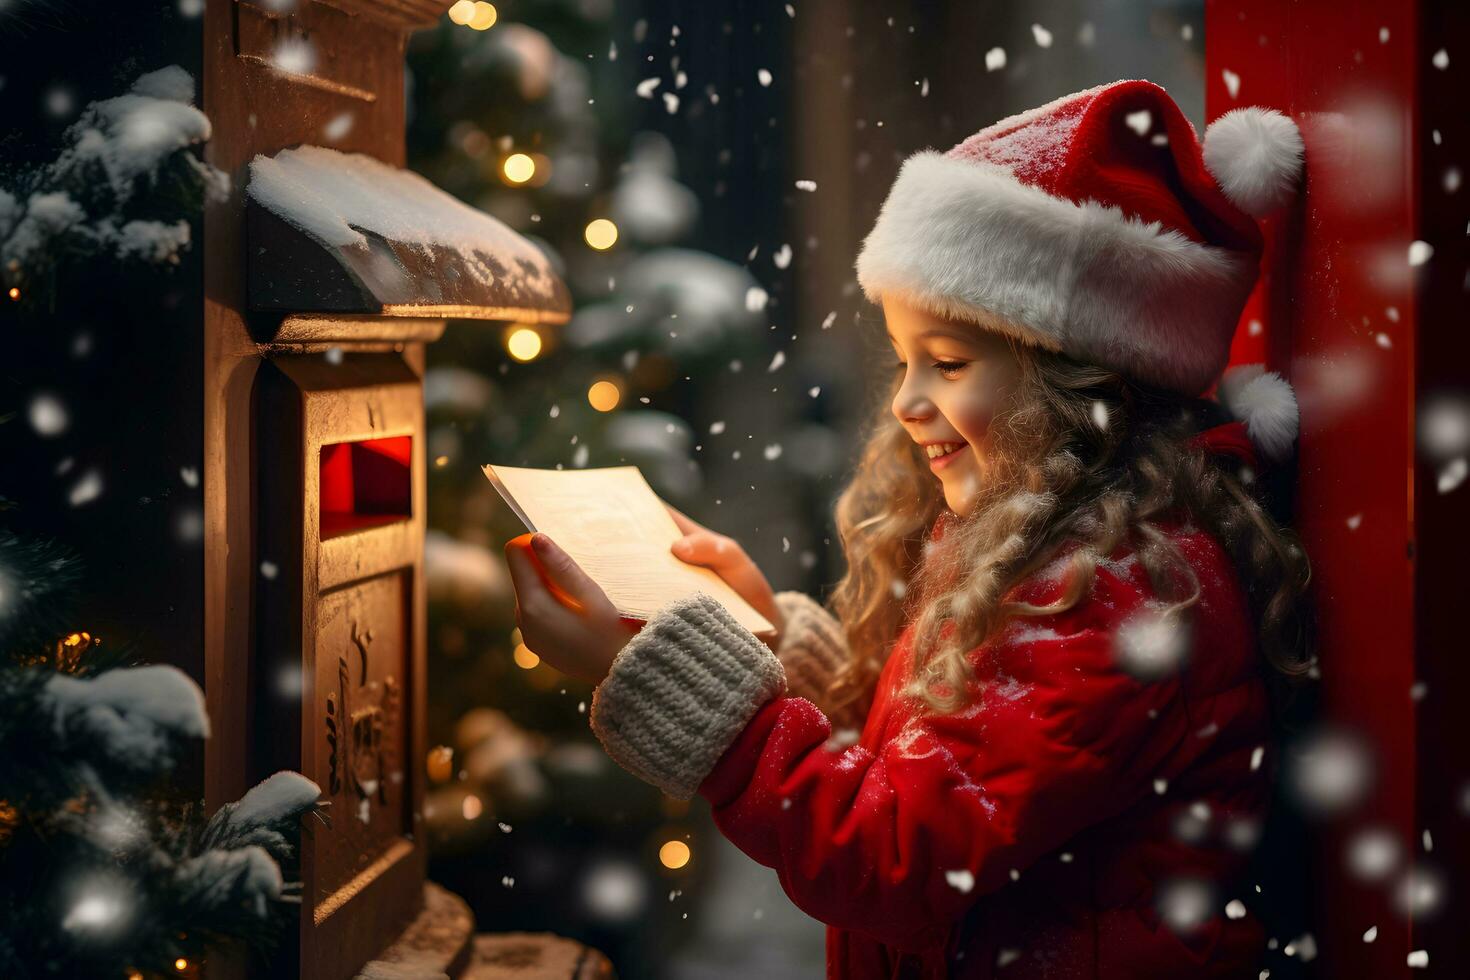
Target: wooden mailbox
[[327, 272]]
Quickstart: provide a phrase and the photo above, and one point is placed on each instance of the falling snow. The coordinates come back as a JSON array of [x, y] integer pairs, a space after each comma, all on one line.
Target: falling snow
[[961, 880], [1151, 645], [48, 416], [338, 127], [86, 489], [295, 56], [1185, 904]]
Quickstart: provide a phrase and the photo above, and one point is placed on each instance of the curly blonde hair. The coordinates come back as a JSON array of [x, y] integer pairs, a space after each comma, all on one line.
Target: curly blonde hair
[[1079, 455]]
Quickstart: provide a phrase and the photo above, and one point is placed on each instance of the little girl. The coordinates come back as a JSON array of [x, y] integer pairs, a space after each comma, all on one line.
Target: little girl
[[1027, 738]]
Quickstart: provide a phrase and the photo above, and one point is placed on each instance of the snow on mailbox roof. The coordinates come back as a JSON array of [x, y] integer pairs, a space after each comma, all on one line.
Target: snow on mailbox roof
[[405, 246]]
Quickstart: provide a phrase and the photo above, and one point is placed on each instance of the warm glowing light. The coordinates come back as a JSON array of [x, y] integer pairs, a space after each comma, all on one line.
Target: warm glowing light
[[441, 460], [604, 396], [601, 233], [524, 344], [518, 168], [483, 17], [462, 12], [181, 964], [674, 854], [15, 292], [471, 807], [441, 763], [524, 658], [70, 649]]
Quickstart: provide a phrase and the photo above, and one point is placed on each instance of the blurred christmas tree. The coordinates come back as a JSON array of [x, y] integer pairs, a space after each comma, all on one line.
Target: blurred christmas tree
[[672, 363], [105, 871]]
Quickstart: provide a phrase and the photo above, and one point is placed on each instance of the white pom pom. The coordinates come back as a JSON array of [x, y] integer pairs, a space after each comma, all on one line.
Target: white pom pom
[[1266, 404], [1255, 155]]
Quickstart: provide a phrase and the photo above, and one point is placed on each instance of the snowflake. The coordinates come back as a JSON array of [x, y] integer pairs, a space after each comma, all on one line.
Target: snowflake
[[962, 880]]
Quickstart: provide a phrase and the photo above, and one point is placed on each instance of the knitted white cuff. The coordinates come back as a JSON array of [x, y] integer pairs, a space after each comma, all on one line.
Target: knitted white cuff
[[812, 648], [680, 693]]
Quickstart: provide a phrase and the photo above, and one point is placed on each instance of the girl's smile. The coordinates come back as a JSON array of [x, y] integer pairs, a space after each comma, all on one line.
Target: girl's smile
[[944, 453]]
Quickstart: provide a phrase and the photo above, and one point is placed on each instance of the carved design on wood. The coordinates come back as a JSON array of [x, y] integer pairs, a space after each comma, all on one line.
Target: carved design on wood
[[360, 729], [358, 715]]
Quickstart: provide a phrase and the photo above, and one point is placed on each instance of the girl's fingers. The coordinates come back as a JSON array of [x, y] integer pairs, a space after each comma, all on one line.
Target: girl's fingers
[[528, 585], [567, 574], [707, 548]]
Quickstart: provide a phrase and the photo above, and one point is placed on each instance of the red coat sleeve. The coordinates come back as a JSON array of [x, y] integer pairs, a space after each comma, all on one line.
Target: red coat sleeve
[[898, 835]]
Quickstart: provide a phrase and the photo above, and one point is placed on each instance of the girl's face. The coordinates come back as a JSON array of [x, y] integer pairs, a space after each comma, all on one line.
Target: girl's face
[[956, 377]]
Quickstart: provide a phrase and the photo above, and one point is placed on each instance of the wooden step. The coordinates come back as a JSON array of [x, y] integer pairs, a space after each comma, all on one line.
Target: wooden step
[[442, 944]]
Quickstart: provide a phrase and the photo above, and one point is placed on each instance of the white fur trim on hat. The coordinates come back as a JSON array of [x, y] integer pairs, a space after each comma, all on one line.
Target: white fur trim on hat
[[1266, 403], [1255, 155], [966, 240]]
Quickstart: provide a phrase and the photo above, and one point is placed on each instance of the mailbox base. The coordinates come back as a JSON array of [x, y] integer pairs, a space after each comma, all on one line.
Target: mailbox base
[[442, 942]]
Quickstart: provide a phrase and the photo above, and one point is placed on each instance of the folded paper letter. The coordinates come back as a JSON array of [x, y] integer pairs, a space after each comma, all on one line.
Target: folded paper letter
[[617, 529]]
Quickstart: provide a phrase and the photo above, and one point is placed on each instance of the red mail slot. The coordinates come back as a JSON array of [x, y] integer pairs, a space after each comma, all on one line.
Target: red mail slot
[[365, 484]]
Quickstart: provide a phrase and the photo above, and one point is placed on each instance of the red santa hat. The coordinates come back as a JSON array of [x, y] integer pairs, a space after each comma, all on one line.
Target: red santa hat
[[1096, 225]]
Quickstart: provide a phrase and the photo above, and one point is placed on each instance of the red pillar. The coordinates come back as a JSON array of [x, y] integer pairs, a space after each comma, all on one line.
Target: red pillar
[[1367, 335]]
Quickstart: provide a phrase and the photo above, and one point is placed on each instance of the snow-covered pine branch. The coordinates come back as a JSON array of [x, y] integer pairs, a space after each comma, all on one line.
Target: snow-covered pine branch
[[266, 816], [97, 195], [221, 877], [130, 716]]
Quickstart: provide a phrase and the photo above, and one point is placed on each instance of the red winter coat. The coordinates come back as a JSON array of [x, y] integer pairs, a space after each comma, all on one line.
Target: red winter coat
[[1037, 833]]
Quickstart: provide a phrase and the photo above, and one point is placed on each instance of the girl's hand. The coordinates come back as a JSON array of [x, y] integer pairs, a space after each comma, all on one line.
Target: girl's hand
[[565, 618], [725, 557]]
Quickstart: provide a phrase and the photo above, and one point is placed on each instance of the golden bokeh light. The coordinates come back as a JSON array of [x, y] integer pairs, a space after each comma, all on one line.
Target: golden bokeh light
[[15, 292], [518, 168], [525, 659], [601, 233], [604, 396], [181, 964], [523, 343], [674, 854], [441, 763], [484, 16], [462, 12], [471, 807]]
